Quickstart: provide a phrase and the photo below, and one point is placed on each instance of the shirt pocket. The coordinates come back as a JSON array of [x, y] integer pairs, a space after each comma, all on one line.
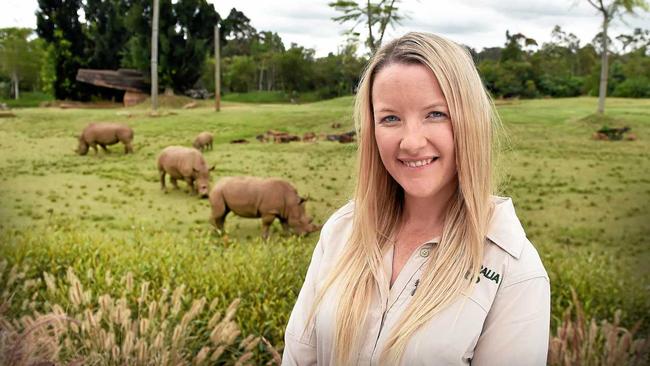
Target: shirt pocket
[[450, 337]]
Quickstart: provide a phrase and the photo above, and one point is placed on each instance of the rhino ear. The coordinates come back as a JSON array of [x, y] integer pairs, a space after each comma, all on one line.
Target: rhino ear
[[212, 168], [301, 200]]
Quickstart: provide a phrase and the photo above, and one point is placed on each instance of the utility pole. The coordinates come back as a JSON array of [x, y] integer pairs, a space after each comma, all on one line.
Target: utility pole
[[154, 56], [217, 71]]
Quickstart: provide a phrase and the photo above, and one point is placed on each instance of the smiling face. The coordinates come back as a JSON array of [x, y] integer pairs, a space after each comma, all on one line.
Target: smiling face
[[413, 130]]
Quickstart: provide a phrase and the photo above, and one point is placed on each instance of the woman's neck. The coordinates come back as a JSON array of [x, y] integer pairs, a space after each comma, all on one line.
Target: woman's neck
[[426, 215]]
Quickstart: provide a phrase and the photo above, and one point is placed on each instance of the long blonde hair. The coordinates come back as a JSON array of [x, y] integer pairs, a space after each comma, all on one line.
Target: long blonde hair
[[379, 200]]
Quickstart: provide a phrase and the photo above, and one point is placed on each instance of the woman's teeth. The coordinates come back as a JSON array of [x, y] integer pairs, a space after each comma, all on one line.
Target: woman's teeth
[[418, 163]]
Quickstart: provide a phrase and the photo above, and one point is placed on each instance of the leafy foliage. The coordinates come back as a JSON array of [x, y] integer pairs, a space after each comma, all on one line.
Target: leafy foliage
[[20, 59], [58, 25], [562, 68], [374, 16]]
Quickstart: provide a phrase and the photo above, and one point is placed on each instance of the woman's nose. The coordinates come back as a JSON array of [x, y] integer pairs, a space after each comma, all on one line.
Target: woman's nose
[[413, 140]]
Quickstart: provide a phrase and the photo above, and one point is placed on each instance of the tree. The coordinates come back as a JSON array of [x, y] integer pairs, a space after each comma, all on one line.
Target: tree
[[374, 15], [237, 33], [20, 58], [515, 45], [192, 41], [609, 11], [185, 38], [106, 32], [638, 39], [295, 68], [266, 48], [239, 74], [57, 22]]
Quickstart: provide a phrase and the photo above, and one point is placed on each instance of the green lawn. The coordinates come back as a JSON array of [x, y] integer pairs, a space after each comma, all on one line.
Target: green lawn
[[27, 99], [584, 203]]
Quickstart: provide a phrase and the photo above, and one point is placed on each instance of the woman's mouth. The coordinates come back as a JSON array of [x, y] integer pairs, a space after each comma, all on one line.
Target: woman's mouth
[[419, 163]]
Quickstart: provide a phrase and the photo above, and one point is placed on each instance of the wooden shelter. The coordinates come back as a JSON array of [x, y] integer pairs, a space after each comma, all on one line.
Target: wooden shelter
[[129, 80]]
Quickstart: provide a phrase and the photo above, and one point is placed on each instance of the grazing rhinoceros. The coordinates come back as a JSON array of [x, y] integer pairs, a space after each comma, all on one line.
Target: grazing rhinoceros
[[185, 163], [203, 141], [104, 134], [268, 198]]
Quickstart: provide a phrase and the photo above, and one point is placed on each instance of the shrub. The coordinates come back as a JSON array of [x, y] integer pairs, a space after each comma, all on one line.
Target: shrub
[[579, 341], [265, 277], [558, 86], [633, 88], [141, 327]]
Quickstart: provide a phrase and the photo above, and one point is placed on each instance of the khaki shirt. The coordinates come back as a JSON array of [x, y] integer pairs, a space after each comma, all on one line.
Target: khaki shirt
[[505, 320]]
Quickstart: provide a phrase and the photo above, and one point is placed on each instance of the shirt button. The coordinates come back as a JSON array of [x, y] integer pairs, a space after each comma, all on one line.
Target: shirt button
[[424, 252]]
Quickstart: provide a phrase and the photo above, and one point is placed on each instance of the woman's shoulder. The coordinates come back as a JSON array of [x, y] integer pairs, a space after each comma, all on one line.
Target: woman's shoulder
[[337, 228], [509, 245], [343, 214]]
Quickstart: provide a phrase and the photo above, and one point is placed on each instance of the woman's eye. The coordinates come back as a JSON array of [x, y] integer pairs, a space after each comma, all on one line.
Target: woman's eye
[[437, 115], [389, 119]]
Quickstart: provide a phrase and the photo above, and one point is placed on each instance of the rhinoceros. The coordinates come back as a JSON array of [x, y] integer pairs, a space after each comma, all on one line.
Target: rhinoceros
[[185, 163], [268, 198], [104, 134], [203, 141]]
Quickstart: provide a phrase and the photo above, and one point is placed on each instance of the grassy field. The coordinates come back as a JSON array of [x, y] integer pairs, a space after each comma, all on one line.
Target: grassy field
[[584, 203], [27, 99], [271, 97]]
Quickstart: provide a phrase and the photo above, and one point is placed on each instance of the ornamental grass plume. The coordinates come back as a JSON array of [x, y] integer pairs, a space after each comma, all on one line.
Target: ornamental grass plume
[[140, 327], [579, 341], [31, 341], [275, 355]]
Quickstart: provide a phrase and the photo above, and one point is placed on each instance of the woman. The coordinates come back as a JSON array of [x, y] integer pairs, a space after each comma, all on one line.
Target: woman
[[424, 266]]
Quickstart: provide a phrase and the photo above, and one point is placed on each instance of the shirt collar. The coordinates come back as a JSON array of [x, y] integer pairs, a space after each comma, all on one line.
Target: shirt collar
[[505, 229]]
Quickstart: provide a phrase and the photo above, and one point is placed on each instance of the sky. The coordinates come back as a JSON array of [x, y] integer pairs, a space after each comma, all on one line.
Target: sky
[[476, 23]]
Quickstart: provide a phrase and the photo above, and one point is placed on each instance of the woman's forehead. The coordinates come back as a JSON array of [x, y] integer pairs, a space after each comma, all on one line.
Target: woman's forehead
[[406, 84]]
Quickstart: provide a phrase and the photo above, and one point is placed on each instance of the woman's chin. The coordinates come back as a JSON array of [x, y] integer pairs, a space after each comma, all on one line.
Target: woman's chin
[[420, 193]]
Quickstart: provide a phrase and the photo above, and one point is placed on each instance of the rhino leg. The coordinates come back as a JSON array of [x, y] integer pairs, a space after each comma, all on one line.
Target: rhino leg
[[94, 146], [285, 225], [267, 220], [128, 148], [162, 179], [219, 220], [219, 212], [190, 185], [104, 148], [174, 182]]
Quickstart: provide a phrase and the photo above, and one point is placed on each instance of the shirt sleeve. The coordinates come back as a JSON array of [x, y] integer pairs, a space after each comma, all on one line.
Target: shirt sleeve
[[300, 337], [516, 330]]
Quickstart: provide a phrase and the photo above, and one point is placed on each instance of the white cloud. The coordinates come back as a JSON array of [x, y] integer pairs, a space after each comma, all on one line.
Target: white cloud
[[18, 13]]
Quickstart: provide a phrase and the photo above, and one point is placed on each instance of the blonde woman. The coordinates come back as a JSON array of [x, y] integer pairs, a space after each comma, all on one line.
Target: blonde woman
[[424, 266]]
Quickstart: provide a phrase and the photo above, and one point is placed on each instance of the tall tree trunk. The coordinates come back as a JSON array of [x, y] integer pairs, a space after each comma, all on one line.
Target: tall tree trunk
[[371, 39], [384, 22], [602, 91], [16, 83], [154, 55]]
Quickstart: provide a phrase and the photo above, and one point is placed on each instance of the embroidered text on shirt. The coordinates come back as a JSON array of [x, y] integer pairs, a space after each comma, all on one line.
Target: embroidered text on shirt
[[489, 274]]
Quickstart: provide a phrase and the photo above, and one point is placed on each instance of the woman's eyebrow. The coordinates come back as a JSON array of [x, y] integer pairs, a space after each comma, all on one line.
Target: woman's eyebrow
[[436, 105], [386, 109]]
